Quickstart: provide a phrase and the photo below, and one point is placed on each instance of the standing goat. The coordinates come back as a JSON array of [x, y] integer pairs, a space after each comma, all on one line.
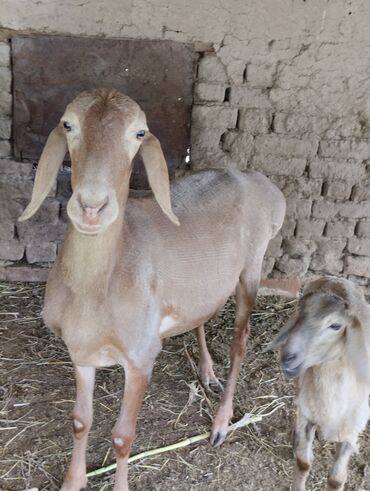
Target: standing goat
[[128, 275], [327, 345]]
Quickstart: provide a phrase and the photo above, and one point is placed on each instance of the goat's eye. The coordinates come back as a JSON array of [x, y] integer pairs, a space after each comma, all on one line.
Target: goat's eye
[[140, 134], [67, 126], [335, 327]]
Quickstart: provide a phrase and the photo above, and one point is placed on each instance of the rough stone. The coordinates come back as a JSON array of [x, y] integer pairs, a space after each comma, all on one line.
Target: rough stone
[[326, 263], [254, 121], [239, 145], [349, 170], [292, 267], [298, 208], [329, 210], [4, 55], [24, 273], [298, 248], [288, 228], [355, 149], [363, 229], [209, 92], [211, 69], [214, 117], [243, 96], [301, 187], [267, 266], [279, 166], [360, 247], [11, 250], [40, 252], [287, 147], [28, 231], [5, 79], [361, 192], [298, 124], [260, 75], [5, 103], [310, 228], [5, 148], [338, 189], [5, 128], [274, 247], [6, 230], [359, 266], [340, 228]]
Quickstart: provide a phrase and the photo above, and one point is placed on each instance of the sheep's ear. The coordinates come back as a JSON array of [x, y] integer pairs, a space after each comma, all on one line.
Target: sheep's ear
[[157, 172], [358, 350], [51, 158]]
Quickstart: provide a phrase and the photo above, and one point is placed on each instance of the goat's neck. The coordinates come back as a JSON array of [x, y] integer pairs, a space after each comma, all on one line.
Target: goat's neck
[[87, 262]]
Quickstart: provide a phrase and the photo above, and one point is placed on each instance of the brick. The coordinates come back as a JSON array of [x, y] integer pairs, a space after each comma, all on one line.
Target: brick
[[214, 117], [5, 148], [4, 55], [361, 192], [351, 148], [5, 79], [10, 209], [293, 267], [24, 273], [267, 266], [359, 266], [40, 252], [298, 248], [310, 228], [29, 231], [326, 263], [338, 189], [11, 250], [325, 245], [363, 229], [243, 96], [255, 121], [340, 228], [278, 166], [10, 169], [211, 69], [283, 146], [301, 187], [329, 210], [298, 208], [6, 230], [5, 103], [288, 228], [261, 75], [209, 92], [360, 247], [350, 170], [240, 146], [5, 128], [299, 124], [274, 247]]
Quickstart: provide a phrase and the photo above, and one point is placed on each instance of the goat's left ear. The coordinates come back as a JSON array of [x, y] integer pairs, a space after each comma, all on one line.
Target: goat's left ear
[[358, 350], [51, 159], [157, 172]]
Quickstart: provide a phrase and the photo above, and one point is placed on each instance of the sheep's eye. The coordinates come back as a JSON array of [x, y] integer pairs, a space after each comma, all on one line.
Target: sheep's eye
[[140, 134], [67, 126], [335, 327]]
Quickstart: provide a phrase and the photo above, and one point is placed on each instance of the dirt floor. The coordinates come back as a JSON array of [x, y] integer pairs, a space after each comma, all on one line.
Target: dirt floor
[[37, 392]]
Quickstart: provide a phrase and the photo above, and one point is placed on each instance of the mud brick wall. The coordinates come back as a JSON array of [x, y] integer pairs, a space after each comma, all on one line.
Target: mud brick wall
[[282, 87]]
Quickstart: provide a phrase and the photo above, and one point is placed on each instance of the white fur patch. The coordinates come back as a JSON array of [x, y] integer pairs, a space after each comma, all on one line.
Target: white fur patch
[[118, 441], [167, 323]]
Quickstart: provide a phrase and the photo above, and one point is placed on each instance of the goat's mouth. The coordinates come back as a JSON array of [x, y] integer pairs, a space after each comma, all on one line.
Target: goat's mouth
[[292, 372], [87, 229]]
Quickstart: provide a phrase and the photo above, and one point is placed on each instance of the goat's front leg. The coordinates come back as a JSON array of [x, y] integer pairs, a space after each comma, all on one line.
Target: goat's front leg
[[304, 435], [338, 474], [123, 433], [82, 420], [246, 292], [205, 366]]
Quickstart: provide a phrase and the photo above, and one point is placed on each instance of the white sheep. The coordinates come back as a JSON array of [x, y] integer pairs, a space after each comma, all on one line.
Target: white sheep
[[327, 345], [128, 275]]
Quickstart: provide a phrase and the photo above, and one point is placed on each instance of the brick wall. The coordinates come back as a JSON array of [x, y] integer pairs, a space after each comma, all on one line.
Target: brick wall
[[284, 89]]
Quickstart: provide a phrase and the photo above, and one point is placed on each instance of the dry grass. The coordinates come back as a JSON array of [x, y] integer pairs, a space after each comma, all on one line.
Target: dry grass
[[37, 392]]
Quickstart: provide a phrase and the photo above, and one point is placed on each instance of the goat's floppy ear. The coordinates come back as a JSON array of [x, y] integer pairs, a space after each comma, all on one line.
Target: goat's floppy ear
[[358, 349], [157, 172], [51, 158]]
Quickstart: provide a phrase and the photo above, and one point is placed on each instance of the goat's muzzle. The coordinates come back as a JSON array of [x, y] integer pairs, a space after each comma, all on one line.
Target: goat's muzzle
[[91, 214], [290, 363]]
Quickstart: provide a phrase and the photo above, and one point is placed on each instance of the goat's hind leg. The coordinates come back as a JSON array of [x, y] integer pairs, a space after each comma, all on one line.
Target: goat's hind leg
[[338, 474], [304, 435], [246, 292], [205, 365], [82, 420]]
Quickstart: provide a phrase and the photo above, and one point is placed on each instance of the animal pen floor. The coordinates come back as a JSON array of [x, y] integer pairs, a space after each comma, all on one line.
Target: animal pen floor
[[37, 392]]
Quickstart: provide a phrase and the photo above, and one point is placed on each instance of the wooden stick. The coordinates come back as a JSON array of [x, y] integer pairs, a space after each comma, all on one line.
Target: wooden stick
[[247, 419]]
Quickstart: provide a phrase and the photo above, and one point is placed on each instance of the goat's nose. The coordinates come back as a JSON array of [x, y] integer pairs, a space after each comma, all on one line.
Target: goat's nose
[[288, 358], [91, 210]]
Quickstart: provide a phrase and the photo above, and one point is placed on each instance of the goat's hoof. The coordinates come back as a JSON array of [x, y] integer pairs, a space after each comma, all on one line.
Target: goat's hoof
[[214, 387], [74, 485], [218, 438]]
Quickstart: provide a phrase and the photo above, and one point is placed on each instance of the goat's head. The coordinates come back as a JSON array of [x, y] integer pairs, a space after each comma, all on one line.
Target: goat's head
[[325, 326], [103, 130]]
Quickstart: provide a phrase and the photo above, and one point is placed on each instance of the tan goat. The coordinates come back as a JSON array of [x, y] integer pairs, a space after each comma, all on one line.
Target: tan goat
[[327, 345], [128, 275]]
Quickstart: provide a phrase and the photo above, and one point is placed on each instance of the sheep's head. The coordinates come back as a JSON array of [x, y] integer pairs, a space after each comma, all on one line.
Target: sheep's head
[[103, 130], [324, 327]]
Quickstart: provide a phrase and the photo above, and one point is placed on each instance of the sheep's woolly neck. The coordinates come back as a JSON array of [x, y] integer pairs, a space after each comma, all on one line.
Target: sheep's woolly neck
[[333, 398]]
